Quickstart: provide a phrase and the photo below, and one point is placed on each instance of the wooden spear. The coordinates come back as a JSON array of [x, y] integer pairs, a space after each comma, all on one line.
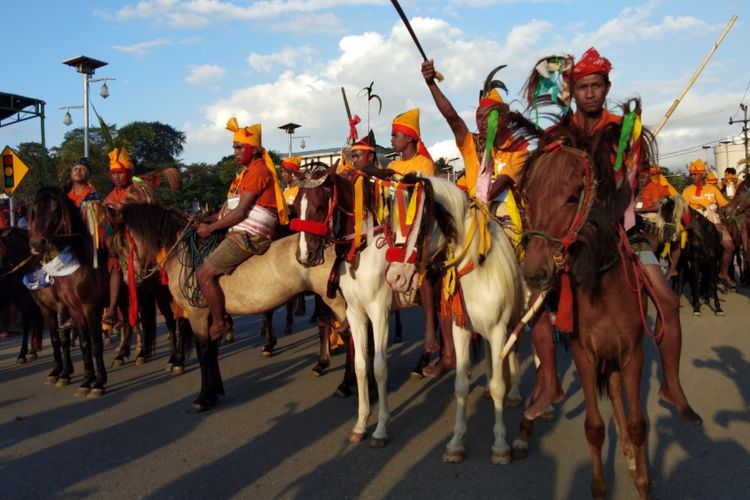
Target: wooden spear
[[695, 75]]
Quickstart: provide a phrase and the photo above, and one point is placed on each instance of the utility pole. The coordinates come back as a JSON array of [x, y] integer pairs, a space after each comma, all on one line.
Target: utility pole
[[744, 122]]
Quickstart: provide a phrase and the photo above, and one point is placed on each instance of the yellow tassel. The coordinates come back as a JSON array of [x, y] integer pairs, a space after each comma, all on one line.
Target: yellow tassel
[[683, 239], [412, 210], [280, 202], [359, 208], [667, 249], [450, 275]]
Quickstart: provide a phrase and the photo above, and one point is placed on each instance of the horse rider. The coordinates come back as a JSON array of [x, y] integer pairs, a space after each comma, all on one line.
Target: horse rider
[[591, 85], [290, 172], [654, 187], [707, 199], [730, 182], [363, 156], [508, 155], [414, 158], [80, 186], [254, 206]]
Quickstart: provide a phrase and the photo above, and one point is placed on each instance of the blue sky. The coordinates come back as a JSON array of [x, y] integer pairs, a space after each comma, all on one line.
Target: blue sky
[[194, 63]]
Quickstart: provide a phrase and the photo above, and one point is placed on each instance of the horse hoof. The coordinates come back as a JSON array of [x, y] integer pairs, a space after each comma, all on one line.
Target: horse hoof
[[117, 362], [21, 361], [343, 391], [317, 371], [696, 313], [267, 351], [377, 442], [51, 380], [31, 356], [519, 453], [416, 376], [548, 415], [453, 456], [168, 367], [178, 370], [719, 313], [513, 402], [357, 437], [140, 360], [63, 382], [96, 393], [503, 458], [82, 392]]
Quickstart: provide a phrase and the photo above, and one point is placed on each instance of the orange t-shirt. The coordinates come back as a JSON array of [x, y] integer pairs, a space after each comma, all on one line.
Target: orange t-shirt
[[117, 195], [78, 198], [508, 160], [655, 191], [257, 180], [605, 120]]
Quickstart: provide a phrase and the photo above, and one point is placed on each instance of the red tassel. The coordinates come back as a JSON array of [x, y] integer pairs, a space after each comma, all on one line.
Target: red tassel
[[132, 291], [564, 321]]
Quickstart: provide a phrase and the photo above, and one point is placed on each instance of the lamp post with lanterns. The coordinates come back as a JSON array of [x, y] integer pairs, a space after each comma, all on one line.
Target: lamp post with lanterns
[[86, 66]]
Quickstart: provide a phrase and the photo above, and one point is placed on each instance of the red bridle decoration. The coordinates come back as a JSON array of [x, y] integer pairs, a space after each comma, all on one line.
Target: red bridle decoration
[[322, 229]]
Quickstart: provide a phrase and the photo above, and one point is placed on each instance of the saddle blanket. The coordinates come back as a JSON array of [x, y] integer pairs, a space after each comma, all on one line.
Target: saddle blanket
[[64, 264]]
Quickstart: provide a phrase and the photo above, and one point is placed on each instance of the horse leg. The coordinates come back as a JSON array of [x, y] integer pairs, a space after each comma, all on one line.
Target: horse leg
[[380, 370], [270, 334], [211, 383], [21, 359], [164, 305], [454, 450], [635, 421], [344, 390], [84, 341], [68, 368], [182, 344], [513, 398], [358, 327], [289, 323], [501, 454], [694, 278], [324, 358], [399, 327], [123, 350], [57, 366], [97, 350], [594, 425], [614, 388]]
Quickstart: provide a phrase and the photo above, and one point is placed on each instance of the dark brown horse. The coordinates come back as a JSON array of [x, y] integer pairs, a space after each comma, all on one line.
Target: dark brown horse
[[737, 216], [15, 261], [56, 228], [574, 242]]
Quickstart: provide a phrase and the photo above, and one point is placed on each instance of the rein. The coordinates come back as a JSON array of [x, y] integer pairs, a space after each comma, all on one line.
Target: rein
[[18, 266]]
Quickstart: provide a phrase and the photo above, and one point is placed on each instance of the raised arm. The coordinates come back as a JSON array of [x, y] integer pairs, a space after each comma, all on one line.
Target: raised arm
[[457, 125]]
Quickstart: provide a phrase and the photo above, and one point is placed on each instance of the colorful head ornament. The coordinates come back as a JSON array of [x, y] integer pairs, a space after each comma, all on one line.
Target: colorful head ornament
[[489, 96], [367, 143], [408, 124], [247, 135], [697, 167], [591, 63], [711, 178], [292, 163], [120, 161]]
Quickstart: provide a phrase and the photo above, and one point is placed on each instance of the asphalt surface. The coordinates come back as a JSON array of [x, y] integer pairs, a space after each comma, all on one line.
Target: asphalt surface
[[279, 433]]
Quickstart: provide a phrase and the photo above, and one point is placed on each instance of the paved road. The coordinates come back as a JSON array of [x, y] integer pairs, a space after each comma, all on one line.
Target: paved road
[[280, 434]]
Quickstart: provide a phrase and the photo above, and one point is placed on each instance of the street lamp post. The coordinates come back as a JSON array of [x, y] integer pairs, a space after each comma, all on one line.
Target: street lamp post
[[86, 66], [289, 128]]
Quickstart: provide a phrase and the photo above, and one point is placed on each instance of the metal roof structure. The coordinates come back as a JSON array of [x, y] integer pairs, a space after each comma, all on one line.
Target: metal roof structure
[[17, 108]]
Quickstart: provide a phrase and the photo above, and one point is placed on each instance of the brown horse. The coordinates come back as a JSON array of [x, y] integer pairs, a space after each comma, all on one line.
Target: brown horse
[[737, 217], [262, 283], [574, 237], [56, 228]]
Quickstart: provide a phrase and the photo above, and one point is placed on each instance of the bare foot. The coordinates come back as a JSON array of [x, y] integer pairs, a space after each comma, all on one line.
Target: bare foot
[[729, 281], [441, 365], [217, 330], [671, 274], [430, 341], [546, 397], [684, 409]]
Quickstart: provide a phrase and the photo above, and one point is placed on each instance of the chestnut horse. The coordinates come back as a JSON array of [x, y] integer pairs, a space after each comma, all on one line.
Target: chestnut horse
[[56, 228], [737, 214], [574, 241], [261, 283]]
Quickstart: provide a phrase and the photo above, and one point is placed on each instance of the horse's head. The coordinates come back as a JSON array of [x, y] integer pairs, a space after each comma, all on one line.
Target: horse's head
[[53, 218], [741, 200], [559, 188], [315, 204]]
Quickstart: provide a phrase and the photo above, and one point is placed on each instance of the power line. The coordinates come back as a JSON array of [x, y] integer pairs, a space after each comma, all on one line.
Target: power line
[[739, 108]]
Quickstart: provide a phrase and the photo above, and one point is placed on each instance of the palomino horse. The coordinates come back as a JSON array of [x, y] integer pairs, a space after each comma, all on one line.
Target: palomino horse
[[155, 229], [574, 238], [326, 206], [57, 230], [15, 261]]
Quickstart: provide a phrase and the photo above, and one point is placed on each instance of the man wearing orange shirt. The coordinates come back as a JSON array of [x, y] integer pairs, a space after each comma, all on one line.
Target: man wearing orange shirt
[[254, 206], [80, 187], [707, 199]]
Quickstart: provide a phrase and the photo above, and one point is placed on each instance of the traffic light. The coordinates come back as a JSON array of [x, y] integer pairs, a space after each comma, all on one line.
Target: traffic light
[[9, 181]]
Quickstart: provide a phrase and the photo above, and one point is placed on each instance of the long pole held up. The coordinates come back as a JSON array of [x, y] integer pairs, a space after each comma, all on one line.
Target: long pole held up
[[695, 75]]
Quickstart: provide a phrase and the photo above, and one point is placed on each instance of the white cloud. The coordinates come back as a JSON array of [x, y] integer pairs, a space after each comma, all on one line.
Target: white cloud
[[204, 73], [140, 49], [287, 58], [327, 23], [196, 13]]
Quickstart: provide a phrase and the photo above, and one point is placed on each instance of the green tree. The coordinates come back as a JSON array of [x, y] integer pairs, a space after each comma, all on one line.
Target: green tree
[[151, 145], [32, 154]]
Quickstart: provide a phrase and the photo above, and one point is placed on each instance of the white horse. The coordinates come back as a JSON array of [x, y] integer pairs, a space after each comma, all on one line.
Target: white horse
[[494, 296], [325, 207]]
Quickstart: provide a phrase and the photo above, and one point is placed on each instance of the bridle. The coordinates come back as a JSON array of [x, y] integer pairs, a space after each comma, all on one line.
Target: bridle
[[323, 229], [586, 202]]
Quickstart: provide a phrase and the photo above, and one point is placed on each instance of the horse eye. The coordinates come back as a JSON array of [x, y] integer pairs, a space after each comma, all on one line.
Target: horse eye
[[572, 199]]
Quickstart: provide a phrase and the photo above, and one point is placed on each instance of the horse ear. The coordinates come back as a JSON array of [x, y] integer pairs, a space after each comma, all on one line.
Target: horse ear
[[333, 168]]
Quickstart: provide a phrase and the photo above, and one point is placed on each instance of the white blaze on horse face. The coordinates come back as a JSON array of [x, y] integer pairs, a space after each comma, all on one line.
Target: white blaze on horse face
[[303, 236]]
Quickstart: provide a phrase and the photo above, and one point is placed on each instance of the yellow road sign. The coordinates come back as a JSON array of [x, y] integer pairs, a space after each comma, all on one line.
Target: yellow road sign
[[13, 170]]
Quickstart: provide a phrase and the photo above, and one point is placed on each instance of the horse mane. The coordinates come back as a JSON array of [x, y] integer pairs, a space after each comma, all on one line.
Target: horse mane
[[155, 226], [72, 230], [445, 204]]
